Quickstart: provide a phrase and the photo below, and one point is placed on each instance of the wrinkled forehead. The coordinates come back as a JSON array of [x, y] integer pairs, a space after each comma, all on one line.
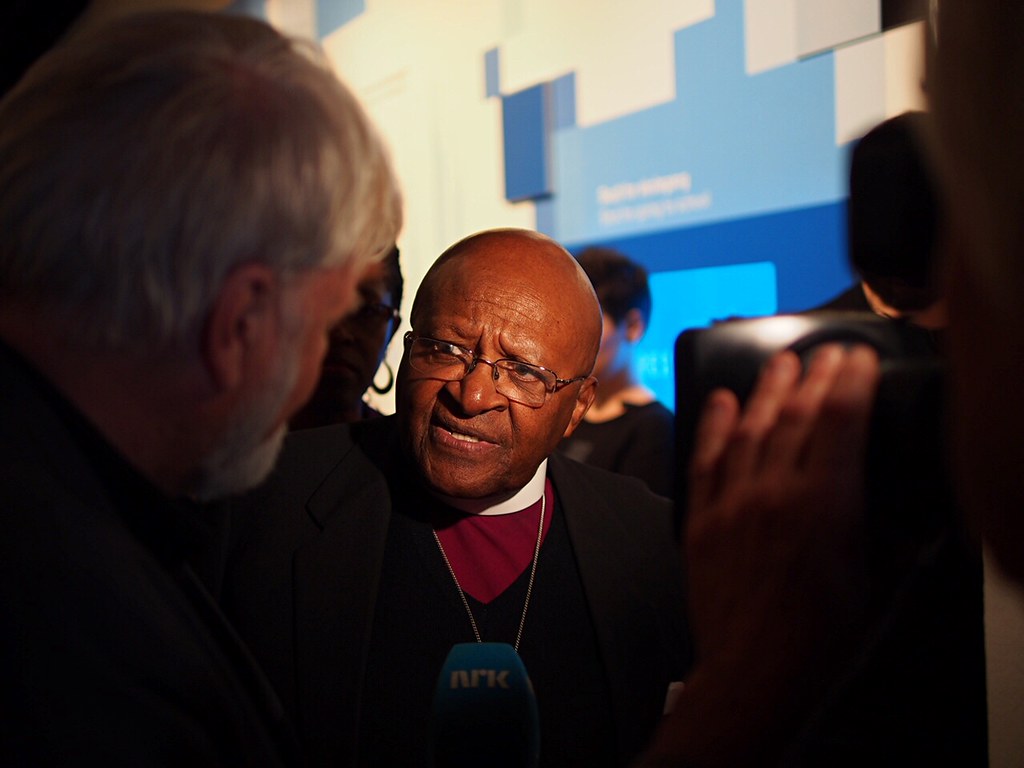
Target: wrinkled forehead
[[531, 295]]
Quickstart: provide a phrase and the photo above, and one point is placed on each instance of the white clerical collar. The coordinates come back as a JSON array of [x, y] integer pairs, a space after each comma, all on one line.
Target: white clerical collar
[[503, 505]]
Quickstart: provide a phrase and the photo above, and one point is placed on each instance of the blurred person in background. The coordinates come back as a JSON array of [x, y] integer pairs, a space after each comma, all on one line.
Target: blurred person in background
[[356, 350], [893, 223], [626, 430]]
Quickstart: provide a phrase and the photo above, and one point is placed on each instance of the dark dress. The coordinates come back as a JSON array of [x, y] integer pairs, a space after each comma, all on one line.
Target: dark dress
[[639, 443]]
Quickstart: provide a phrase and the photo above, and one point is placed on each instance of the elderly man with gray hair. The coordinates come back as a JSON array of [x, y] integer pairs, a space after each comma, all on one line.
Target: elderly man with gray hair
[[187, 202]]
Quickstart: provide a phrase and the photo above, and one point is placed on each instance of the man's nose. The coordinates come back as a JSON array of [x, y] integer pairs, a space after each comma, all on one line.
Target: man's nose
[[477, 391]]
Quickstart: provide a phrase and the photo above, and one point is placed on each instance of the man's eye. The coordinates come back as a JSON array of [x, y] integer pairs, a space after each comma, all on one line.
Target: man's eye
[[523, 372], [440, 352]]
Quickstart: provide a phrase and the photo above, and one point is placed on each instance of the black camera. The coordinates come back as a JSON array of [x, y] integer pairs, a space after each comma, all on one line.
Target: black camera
[[921, 656], [909, 495]]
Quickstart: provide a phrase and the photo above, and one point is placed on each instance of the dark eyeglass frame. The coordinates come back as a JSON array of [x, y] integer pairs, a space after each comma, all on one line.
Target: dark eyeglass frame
[[469, 360]]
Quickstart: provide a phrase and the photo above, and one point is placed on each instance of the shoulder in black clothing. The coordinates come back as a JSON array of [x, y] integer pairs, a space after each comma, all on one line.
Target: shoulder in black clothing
[[639, 443], [850, 300], [113, 652]]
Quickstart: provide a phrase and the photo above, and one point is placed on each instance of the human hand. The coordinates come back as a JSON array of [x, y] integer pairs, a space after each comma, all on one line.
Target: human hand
[[774, 554]]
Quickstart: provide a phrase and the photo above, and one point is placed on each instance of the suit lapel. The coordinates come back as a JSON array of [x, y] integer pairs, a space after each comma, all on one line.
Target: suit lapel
[[336, 577], [625, 620], [242, 665]]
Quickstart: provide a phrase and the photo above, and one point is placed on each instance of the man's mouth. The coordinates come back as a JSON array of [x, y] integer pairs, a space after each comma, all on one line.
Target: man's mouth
[[459, 434], [464, 438]]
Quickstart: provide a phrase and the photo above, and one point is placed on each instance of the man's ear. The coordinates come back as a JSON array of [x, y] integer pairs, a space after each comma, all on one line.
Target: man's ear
[[635, 325], [584, 399], [242, 324]]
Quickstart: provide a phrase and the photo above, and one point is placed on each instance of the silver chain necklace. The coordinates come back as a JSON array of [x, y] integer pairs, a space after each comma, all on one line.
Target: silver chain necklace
[[529, 585]]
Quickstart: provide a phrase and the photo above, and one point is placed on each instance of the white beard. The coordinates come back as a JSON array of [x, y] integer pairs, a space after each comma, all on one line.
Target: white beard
[[247, 454]]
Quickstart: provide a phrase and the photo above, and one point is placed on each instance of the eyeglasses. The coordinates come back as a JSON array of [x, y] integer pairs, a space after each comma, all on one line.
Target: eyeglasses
[[524, 383], [374, 315]]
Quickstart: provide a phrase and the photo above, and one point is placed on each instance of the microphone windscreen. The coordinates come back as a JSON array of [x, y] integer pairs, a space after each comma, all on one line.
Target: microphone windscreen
[[485, 712]]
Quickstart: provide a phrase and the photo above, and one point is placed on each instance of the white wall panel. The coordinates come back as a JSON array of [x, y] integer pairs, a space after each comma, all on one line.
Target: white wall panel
[[824, 24], [770, 31]]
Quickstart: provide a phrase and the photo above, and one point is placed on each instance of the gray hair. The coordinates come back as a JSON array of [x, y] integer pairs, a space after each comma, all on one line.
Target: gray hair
[[142, 160]]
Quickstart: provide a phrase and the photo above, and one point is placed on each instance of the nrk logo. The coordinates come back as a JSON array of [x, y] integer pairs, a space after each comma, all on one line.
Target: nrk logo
[[479, 678]]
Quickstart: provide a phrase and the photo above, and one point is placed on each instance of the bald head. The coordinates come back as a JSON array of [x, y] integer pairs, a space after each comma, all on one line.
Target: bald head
[[542, 270]]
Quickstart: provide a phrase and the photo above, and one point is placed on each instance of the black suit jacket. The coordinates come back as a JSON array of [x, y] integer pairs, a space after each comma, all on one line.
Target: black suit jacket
[[301, 585], [112, 651]]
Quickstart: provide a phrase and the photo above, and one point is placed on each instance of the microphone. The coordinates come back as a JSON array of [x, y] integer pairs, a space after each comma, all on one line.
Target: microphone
[[485, 712]]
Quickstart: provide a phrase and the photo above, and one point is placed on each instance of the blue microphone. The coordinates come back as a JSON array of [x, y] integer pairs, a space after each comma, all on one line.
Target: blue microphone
[[485, 713]]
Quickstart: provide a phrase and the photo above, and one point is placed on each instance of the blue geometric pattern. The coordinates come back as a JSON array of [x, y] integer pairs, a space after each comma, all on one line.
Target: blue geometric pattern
[[255, 8], [492, 73], [700, 296], [527, 121], [333, 14], [728, 146], [780, 262], [563, 97], [737, 182]]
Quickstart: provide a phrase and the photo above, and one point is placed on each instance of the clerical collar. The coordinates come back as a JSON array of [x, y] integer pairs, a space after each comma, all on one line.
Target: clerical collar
[[501, 505]]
